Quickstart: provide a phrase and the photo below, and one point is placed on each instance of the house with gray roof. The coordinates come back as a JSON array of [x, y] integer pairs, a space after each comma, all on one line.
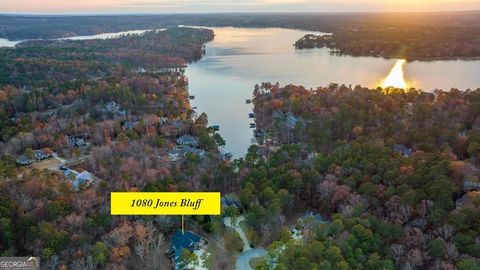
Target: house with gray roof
[[78, 141], [180, 241], [23, 160], [114, 108], [402, 149], [231, 200], [78, 178], [187, 140], [41, 154]]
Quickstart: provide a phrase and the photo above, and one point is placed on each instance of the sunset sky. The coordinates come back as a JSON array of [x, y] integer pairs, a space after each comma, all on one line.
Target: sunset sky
[[183, 6]]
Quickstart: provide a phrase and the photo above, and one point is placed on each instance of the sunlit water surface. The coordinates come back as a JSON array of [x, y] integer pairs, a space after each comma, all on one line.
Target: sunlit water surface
[[9, 43]]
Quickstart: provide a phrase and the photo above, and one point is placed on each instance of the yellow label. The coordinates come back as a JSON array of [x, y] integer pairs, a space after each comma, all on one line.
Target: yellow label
[[165, 203]]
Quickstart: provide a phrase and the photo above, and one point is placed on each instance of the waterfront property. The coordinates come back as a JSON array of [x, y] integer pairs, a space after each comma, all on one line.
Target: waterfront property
[[180, 152], [187, 140]]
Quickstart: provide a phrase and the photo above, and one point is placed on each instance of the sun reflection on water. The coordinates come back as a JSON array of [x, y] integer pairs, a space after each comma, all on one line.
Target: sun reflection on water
[[396, 77]]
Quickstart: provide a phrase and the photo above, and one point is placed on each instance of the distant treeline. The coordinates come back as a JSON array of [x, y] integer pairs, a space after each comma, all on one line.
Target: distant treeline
[[15, 27], [423, 42]]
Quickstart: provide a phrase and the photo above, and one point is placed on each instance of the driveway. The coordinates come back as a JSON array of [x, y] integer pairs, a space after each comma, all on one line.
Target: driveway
[[244, 258], [228, 222], [248, 253]]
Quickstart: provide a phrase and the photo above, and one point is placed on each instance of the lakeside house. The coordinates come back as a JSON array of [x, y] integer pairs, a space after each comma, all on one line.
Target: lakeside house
[[306, 223], [77, 141], [187, 140], [288, 119], [163, 120], [196, 151], [179, 125], [129, 124], [42, 154], [23, 160], [38, 155], [231, 200], [292, 120], [175, 154], [141, 70], [402, 150], [179, 152], [180, 241], [78, 178], [176, 69], [471, 185], [114, 108]]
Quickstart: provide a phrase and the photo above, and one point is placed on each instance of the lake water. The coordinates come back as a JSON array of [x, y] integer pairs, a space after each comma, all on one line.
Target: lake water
[[239, 58], [9, 43]]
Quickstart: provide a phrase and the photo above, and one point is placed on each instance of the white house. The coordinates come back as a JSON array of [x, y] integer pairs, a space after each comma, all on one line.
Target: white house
[[78, 178]]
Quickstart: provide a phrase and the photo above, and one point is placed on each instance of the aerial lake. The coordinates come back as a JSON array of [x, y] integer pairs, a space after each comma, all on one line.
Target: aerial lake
[[239, 58]]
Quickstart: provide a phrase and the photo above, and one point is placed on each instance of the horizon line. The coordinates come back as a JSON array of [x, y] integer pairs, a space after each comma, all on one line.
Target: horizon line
[[228, 12]]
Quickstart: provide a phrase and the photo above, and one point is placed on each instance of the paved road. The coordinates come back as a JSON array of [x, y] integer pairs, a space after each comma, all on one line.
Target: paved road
[[248, 253], [244, 258]]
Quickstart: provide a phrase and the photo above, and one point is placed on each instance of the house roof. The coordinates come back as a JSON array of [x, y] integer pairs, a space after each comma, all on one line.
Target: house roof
[[128, 124], [23, 159], [84, 176], [310, 216], [402, 149], [194, 150], [228, 202], [69, 172], [187, 240], [187, 140], [470, 185]]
